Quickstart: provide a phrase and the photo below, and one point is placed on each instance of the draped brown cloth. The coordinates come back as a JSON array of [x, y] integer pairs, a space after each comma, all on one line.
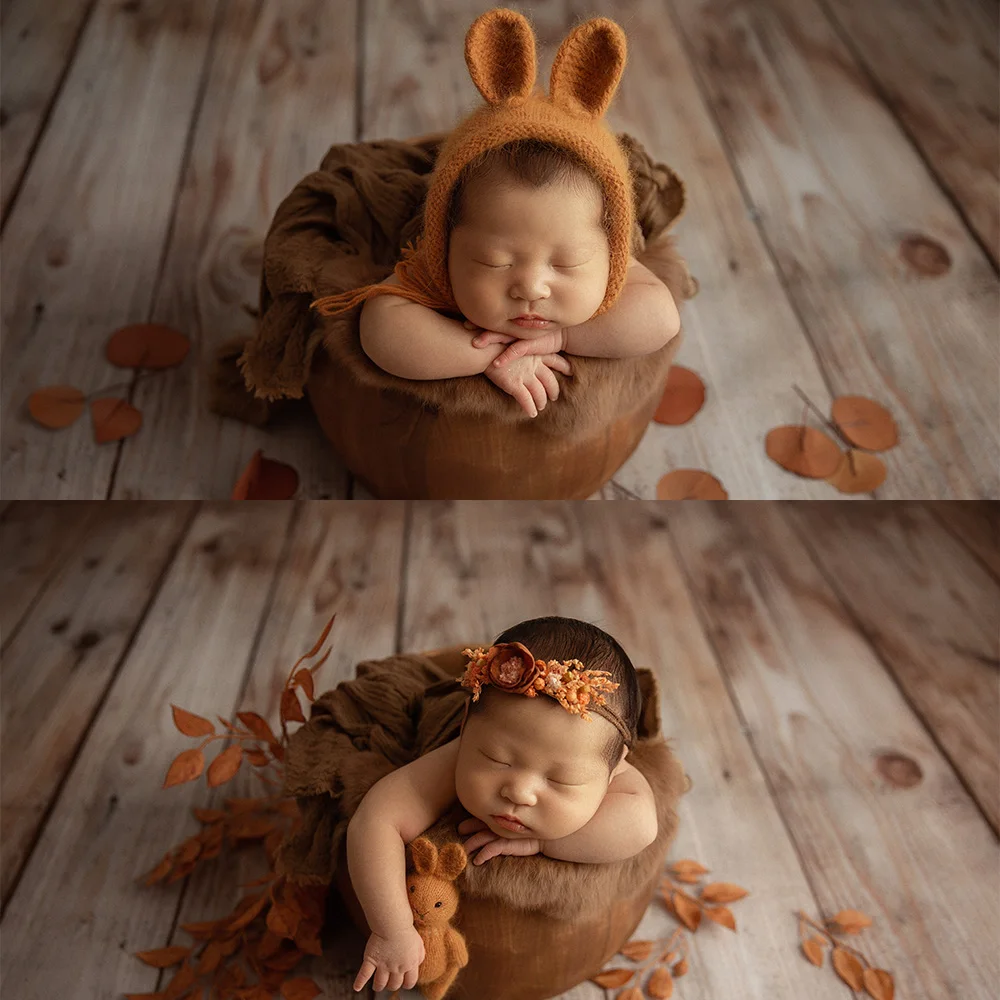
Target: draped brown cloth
[[401, 707], [345, 225]]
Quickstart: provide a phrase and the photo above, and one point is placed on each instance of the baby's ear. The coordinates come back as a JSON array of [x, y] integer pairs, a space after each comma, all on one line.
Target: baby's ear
[[425, 855], [588, 67], [451, 861], [500, 54]]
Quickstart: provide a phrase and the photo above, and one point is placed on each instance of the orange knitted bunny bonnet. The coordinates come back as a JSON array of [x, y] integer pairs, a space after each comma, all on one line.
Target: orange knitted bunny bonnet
[[500, 54]]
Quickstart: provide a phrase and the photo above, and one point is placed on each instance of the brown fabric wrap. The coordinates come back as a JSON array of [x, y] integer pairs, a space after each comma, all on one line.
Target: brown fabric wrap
[[404, 706], [344, 226]]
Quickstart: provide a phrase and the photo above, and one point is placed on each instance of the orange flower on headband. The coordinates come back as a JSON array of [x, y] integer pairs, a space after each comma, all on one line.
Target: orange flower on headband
[[511, 667]]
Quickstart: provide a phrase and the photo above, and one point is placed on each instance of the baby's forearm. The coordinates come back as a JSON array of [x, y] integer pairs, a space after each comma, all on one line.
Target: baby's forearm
[[642, 320], [376, 860], [624, 824], [413, 341]]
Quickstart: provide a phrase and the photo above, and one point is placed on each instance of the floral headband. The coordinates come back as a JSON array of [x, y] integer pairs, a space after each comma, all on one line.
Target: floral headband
[[511, 667]]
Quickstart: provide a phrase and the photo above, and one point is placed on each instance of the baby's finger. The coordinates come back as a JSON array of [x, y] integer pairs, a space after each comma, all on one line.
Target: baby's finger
[[395, 981], [521, 394], [538, 393], [559, 363], [380, 979], [478, 839], [471, 825], [364, 973], [410, 979], [491, 850], [551, 383], [517, 349]]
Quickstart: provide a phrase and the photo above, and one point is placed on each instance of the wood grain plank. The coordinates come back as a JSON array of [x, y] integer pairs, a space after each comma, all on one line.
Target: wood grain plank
[[35, 539], [280, 89], [879, 818], [56, 671], [343, 558], [477, 568], [935, 62], [977, 525], [38, 39], [82, 247], [840, 192], [112, 818], [933, 615]]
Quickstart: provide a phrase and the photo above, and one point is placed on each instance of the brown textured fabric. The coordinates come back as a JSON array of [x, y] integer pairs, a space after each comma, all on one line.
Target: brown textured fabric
[[345, 224], [402, 707]]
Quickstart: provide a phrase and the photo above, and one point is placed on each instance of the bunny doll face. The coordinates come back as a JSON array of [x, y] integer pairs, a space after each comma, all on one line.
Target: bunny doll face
[[529, 759], [521, 250]]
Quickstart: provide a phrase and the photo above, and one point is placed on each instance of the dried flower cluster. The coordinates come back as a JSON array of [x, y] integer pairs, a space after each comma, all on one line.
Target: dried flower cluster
[[511, 667], [668, 957], [852, 967], [249, 954]]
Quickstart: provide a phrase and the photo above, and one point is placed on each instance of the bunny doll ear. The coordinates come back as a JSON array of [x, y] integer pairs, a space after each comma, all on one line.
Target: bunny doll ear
[[588, 67], [425, 855], [500, 54], [451, 861]]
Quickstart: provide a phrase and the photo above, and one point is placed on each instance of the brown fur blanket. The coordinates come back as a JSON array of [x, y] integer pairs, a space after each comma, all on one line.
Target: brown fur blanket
[[402, 707], [345, 224]]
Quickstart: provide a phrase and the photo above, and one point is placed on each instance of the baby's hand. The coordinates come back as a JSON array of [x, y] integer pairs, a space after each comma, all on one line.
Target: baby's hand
[[550, 342], [531, 380], [394, 961], [493, 845]]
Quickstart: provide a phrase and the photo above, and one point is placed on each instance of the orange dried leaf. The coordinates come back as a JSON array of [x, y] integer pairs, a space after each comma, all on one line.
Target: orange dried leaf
[[879, 984], [660, 985], [858, 472], [632, 993], [163, 958], [181, 983], [803, 450], [160, 872], [690, 484], [850, 921], [305, 681], [864, 422], [224, 766], [249, 913], [283, 921], [208, 815], [687, 909], [319, 662], [680, 969], [301, 988], [257, 757], [291, 710], [190, 724], [637, 951], [257, 725], [56, 406], [721, 915], [147, 345], [186, 767], [210, 957], [687, 879], [813, 950], [319, 642], [266, 479], [114, 419], [683, 397], [609, 979], [687, 867], [722, 892], [848, 968]]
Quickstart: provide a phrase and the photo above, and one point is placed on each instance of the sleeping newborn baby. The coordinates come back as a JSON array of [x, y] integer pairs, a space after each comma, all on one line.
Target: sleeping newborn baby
[[539, 765], [528, 260]]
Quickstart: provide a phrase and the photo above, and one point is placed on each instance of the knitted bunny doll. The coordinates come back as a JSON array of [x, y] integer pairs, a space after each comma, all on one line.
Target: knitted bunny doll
[[433, 898]]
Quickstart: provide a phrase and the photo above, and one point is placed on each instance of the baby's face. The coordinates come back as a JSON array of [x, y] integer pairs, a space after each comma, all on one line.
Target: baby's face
[[519, 250], [531, 759]]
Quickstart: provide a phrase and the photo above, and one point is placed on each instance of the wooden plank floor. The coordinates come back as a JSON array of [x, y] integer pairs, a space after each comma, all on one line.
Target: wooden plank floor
[[840, 159], [828, 676]]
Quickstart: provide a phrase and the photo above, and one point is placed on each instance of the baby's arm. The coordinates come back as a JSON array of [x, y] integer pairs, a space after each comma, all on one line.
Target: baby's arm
[[413, 341], [624, 824], [643, 319], [395, 810]]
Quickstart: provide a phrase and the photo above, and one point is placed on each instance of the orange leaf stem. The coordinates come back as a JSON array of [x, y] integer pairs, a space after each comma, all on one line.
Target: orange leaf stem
[[819, 413], [836, 942]]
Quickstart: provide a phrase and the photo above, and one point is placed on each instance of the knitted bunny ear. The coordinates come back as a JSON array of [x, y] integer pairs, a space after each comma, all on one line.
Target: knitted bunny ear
[[588, 67], [451, 861], [500, 54], [425, 855]]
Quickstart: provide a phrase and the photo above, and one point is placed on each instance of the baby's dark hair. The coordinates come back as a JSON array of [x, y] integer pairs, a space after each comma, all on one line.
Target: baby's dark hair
[[555, 638], [533, 163]]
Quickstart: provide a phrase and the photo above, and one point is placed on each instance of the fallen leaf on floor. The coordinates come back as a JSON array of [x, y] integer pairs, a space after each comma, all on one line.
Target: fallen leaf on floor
[[147, 345], [114, 419], [848, 968], [265, 479], [612, 978], [660, 985], [56, 406], [682, 398], [849, 922], [879, 984], [813, 949], [864, 422], [722, 892], [690, 484], [858, 472], [637, 951], [803, 450]]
